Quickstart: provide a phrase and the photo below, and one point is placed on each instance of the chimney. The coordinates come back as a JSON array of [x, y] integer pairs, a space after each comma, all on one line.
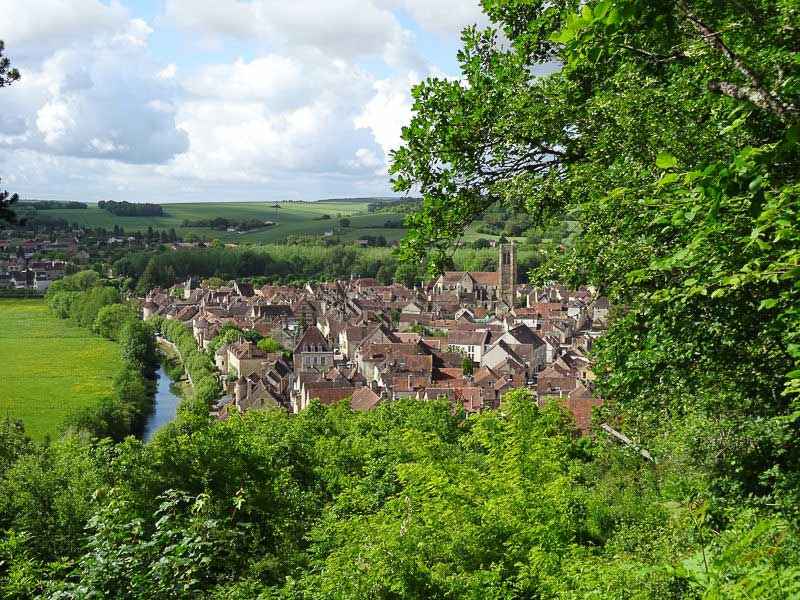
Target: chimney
[[241, 389]]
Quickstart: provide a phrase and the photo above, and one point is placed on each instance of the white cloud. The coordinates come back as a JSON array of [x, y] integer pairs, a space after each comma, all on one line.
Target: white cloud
[[274, 114], [168, 72], [446, 17], [102, 97], [342, 28], [312, 111], [53, 120], [388, 111], [35, 26]]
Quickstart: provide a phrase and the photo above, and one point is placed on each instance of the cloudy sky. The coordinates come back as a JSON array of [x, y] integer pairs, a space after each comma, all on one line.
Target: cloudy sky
[[191, 100]]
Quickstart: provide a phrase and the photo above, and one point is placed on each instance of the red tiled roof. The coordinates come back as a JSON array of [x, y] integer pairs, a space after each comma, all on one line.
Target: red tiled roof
[[364, 399], [330, 395]]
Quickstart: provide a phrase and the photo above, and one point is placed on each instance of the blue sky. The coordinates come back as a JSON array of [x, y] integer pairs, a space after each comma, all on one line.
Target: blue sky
[[193, 100]]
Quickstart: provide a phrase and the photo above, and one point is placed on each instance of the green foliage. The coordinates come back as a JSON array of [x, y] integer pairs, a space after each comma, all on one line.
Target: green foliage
[[198, 364], [88, 303], [410, 500], [467, 366], [213, 282], [671, 137], [111, 318], [271, 345], [175, 559]]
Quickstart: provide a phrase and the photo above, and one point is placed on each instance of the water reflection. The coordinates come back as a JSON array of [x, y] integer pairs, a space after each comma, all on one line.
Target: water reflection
[[166, 404]]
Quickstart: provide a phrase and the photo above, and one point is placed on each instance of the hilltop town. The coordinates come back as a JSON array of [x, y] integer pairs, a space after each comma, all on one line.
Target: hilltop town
[[466, 336]]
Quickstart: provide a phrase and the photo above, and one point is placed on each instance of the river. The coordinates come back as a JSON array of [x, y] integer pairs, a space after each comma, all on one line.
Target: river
[[166, 404]]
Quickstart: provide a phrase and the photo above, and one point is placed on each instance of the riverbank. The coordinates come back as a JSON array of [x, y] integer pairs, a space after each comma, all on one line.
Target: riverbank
[[172, 387], [174, 367]]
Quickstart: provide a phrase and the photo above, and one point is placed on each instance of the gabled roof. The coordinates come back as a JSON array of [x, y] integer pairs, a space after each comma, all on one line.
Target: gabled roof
[[525, 335], [467, 338], [452, 276], [329, 395], [485, 277], [313, 337], [364, 399]]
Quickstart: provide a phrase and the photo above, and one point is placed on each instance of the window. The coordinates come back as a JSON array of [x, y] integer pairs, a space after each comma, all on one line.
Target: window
[[322, 360]]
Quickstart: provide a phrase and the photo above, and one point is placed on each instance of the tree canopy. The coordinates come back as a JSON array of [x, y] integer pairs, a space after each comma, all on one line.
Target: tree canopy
[[669, 131]]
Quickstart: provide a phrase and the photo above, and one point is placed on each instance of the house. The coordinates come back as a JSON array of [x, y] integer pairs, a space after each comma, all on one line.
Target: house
[[244, 357], [364, 399], [313, 351], [469, 343]]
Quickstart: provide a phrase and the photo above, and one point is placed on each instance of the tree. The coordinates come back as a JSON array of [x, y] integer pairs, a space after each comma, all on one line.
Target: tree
[[7, 74], [213, 282], [671, 132], [111, 318], [344, 222], [270, 345], [148, 280], [467, 366], [7, 77], [382, 276], [407, 275]]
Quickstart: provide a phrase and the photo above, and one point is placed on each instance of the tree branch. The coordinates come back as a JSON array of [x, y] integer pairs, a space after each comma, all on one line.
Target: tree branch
[[756, 93], [658, 58]]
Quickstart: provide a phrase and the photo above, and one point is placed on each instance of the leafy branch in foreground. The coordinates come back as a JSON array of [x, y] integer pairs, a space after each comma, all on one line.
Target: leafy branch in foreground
[[670, 133]]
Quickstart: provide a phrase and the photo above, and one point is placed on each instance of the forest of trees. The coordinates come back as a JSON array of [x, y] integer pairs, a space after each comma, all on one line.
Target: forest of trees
[[131, 209], [293, 264], [671, 134], [56, 204]]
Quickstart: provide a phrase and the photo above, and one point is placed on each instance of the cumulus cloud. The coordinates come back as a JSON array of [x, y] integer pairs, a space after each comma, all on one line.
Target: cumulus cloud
[[388, 111], [447, 17], [33, 27], [345, 28], [103, 98], [274, 114], [311, 109]]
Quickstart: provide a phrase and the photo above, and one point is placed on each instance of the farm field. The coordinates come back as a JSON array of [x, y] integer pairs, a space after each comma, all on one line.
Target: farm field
[[292, 218], [49, 367]]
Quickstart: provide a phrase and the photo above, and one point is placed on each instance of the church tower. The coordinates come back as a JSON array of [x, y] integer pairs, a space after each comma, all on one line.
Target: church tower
[[507, 267]]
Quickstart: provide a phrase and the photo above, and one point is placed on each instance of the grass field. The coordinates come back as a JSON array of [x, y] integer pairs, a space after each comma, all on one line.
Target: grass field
[[293, 218], [49, 367]]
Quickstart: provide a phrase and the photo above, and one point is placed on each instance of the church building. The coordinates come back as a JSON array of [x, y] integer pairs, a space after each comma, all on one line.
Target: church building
[[486, 289]]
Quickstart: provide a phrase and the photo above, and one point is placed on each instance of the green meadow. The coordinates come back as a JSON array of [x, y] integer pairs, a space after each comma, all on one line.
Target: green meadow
[[292, 218], [49, 367]]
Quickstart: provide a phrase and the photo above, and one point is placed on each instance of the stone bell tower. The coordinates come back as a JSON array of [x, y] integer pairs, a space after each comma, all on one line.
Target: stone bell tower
[[507, 267]]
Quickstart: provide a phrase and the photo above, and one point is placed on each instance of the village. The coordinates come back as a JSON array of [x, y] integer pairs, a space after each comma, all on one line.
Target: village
[[469, 337], [21, 269]]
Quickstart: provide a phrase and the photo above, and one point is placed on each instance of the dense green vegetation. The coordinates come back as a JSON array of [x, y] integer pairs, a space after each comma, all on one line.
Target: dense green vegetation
[[85, 300], [294, 264], [198, 364], [49, 368], [131, 209], [671, 136], [56, 204], [411, 500]]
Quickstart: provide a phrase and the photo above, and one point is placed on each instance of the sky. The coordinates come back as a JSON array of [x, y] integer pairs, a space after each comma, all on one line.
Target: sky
[[215, 100]]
